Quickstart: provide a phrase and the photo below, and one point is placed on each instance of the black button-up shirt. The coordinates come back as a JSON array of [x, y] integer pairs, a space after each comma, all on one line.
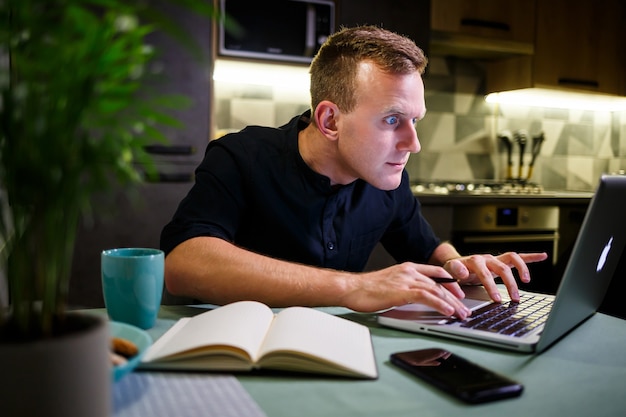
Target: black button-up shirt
[[254, 189]]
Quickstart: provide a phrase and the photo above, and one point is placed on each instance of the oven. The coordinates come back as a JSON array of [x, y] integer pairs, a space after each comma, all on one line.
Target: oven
[[510, 226]]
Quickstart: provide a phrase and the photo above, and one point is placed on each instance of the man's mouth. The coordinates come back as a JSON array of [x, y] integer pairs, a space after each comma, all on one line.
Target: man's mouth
[[399, 164]]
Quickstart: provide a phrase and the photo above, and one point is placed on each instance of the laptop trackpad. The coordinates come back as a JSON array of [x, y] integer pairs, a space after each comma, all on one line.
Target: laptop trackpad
[[424, 313]]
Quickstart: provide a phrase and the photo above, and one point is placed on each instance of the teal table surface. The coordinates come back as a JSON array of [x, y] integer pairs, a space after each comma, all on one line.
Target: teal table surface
[[584, 374]]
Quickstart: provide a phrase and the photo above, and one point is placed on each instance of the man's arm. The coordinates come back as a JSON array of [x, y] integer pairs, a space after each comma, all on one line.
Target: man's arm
[[216, 271]]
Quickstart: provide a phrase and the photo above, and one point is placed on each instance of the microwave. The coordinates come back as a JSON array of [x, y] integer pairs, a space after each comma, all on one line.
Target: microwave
[[283, 30]]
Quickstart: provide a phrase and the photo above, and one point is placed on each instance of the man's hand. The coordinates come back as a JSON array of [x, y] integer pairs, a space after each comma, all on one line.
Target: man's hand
[[482, 269], [405, 283]]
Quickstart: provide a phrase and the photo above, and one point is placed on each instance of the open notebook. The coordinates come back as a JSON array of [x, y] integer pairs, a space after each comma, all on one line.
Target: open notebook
[[584, 283]]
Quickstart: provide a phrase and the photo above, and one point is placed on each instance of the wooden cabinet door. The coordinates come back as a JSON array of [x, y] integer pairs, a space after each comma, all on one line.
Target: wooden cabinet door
[[579, 45], [407, 17], [511, 20]]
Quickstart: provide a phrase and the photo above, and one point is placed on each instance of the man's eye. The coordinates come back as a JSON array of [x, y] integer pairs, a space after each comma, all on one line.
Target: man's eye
[[391, 120]]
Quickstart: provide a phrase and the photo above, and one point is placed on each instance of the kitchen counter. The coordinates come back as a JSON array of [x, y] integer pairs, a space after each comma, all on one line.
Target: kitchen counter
[[546, 197]]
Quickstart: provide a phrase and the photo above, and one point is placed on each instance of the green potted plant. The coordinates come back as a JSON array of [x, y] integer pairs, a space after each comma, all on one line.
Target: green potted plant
[[74, 120]]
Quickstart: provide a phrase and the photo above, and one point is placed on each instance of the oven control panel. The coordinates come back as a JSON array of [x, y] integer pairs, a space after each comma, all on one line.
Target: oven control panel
[[505, 217]]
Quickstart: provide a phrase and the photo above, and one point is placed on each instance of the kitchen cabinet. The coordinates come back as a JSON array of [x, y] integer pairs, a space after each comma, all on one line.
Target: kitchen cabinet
[[578, 46], [407, 17], [482, 28]]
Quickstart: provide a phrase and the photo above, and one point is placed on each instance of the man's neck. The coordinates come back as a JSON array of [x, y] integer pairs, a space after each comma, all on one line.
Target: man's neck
[[320, 154]]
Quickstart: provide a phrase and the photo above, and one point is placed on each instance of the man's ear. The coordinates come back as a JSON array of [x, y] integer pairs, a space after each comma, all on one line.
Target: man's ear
[[326, 116]]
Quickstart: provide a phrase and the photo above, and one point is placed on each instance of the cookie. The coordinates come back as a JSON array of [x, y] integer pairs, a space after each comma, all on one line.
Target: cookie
[[124, 347]]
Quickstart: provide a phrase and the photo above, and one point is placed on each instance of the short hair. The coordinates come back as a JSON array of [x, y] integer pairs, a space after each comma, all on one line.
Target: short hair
[[334, 68]]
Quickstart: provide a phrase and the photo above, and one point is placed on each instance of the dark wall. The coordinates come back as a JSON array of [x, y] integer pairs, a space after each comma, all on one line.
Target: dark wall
[[135, 217]]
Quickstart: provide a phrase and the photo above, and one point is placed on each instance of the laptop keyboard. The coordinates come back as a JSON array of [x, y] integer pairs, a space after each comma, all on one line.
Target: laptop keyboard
[[511, 318]]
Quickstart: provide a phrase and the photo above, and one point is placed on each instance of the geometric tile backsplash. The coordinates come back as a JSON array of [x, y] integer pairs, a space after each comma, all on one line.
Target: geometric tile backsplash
[[459, 133]]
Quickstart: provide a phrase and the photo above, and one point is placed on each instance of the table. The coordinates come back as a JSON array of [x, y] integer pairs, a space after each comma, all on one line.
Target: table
[[584, 374]]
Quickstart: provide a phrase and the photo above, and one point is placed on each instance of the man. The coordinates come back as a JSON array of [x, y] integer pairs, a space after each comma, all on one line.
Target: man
[[289, 216]]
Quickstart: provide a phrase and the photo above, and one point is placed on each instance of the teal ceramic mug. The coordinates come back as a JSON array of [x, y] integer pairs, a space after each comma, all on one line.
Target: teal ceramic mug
[[132, 284]]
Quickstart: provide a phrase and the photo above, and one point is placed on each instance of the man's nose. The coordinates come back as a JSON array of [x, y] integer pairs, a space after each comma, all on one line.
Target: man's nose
[[411, 142]]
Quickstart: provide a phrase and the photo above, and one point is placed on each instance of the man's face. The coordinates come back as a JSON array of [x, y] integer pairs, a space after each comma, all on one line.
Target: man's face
[[377, 137]]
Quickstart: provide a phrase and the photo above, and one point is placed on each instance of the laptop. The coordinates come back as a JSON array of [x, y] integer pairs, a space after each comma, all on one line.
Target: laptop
[[593, 261]]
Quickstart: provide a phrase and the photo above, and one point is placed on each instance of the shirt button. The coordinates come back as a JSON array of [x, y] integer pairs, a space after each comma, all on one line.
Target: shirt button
[[330, 245]]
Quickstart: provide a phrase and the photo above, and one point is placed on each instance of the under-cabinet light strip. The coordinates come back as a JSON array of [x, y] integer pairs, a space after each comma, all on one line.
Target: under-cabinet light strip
[[558, 99], [283, 76]]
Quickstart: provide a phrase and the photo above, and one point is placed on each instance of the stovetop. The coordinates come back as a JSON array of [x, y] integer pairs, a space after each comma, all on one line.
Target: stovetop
[[477, 187]]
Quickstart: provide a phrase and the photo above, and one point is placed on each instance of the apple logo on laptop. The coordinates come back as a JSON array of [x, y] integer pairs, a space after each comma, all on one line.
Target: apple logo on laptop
[[604, 254]]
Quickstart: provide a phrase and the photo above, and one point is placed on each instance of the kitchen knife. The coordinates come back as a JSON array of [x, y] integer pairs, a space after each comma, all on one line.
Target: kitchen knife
[[521, 139], [505, 137], [537, 142]]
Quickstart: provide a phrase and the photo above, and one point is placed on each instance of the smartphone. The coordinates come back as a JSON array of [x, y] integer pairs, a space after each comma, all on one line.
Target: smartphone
[[463, 379]]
